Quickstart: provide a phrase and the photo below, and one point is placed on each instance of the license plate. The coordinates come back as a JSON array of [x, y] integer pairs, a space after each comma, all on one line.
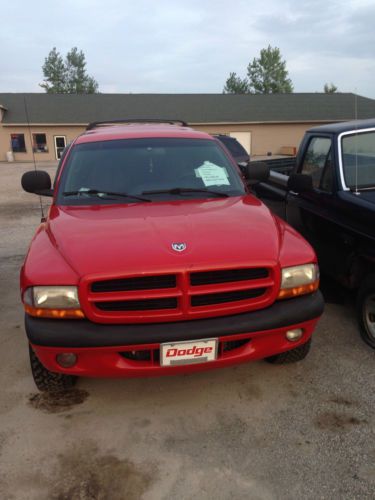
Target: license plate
[[189, 352]]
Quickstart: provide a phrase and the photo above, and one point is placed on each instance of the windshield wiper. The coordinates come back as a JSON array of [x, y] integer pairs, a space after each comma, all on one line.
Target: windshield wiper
[[181, 190], [101, 194]]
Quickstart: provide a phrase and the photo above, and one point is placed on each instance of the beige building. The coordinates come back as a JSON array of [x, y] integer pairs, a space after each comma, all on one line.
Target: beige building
[[40, 125]]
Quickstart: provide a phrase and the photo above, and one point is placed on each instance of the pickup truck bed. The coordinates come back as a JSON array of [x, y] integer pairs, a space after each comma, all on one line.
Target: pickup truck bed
[[284, 165]]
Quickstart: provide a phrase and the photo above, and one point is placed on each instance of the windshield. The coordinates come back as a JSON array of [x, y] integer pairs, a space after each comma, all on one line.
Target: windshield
[[358, 159], [107, 171]]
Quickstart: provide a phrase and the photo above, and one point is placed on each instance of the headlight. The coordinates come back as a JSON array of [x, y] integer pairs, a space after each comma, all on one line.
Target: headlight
[[53, 302], [299, 280]]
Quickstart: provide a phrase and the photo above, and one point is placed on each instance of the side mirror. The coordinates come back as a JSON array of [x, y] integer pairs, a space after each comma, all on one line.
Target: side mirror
[[243, 165], [300, 183], [38, 182], [256, 171]]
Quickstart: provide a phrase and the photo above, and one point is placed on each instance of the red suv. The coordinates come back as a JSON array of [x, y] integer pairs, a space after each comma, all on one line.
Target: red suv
[[156, 259]]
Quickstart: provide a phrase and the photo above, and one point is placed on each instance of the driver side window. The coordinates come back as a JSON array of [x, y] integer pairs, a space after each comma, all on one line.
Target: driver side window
[[318, 164]]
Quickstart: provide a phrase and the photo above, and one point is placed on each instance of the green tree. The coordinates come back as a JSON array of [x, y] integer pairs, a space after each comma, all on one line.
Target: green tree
[[54, 73], [236, 85], [330, 88], [67, 76], [267, 74]]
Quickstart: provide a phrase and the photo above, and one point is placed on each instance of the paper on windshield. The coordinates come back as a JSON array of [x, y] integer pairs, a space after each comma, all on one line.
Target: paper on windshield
[[212, 175]]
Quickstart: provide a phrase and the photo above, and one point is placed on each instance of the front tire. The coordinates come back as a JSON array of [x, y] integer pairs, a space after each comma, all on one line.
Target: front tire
[[47, 381], [366, 310], [291, 356]]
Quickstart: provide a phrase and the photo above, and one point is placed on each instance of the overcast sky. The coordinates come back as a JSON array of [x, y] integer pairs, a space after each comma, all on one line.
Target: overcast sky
[[190, 46]]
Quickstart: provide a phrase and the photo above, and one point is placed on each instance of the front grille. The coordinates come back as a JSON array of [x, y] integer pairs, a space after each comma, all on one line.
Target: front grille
[[138, 305], [137, 283], [220, 298], [225, 276], [178, 296]]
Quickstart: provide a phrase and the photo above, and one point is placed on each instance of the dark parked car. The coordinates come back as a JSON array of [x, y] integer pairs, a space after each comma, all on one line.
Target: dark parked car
[[234, 147]]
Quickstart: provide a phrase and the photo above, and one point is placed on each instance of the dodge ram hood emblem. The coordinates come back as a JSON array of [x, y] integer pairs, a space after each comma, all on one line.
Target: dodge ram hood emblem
[[179, 247]]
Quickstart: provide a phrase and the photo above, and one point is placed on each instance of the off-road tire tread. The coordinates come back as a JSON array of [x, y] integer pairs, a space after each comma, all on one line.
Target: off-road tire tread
[[292, 356], [47, 381]]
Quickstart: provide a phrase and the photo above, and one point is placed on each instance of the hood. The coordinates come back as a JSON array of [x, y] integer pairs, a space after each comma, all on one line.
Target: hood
[[110, 240]]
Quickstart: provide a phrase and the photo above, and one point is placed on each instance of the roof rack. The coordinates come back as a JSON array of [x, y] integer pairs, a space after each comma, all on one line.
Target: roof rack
[[93, 125]]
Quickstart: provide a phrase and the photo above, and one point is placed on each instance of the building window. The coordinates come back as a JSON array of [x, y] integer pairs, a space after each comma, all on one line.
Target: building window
[[18, 143], [40, 143]]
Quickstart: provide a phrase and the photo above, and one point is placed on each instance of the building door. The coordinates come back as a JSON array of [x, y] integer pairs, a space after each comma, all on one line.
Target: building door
[[244, 138], [60, 144]]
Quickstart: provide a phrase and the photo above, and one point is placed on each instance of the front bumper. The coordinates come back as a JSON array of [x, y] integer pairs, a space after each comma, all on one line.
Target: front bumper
[[100, 348]]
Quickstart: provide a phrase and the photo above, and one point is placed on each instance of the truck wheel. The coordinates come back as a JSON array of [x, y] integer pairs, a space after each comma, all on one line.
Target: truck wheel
[[366, 310], [46, 380], [291, 356]]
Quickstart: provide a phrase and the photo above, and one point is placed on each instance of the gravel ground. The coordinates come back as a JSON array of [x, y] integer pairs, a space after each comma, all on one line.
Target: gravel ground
[[256, 431]]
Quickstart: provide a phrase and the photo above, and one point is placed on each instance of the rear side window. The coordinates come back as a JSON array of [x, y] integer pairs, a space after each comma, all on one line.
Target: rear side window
[[317, 162]]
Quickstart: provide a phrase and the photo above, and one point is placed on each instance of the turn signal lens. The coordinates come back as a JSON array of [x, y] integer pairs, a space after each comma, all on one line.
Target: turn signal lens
[[54, 313], [299, 290], [299, 280]]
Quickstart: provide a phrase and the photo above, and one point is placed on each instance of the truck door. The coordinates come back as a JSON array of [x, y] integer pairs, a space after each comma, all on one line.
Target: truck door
[[312, 213], [274, 193]]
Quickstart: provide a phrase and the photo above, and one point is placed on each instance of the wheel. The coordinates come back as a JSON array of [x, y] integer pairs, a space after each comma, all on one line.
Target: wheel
[[291, 356], [46, 380], [366, 310]]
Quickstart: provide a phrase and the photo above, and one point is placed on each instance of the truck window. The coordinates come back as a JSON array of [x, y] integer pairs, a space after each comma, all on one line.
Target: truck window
[[358, 158], [327, 177], [318, 160]]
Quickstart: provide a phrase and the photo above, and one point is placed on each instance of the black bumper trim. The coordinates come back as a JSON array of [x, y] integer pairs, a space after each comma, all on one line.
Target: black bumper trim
[[84, 333]]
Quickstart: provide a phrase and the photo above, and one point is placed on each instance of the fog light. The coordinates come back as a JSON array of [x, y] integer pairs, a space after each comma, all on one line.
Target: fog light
[[294, 335], [66, 359]]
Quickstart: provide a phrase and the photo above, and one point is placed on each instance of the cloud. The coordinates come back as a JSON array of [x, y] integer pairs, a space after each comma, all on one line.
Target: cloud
[[170, 46]]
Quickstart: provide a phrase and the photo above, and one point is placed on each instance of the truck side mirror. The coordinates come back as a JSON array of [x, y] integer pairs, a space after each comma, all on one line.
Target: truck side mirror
[[242, 165], [38, 182], [300, 183], [256, 171]]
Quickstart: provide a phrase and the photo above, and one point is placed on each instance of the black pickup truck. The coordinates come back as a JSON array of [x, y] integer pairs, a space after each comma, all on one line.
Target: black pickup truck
[[328, 194]]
